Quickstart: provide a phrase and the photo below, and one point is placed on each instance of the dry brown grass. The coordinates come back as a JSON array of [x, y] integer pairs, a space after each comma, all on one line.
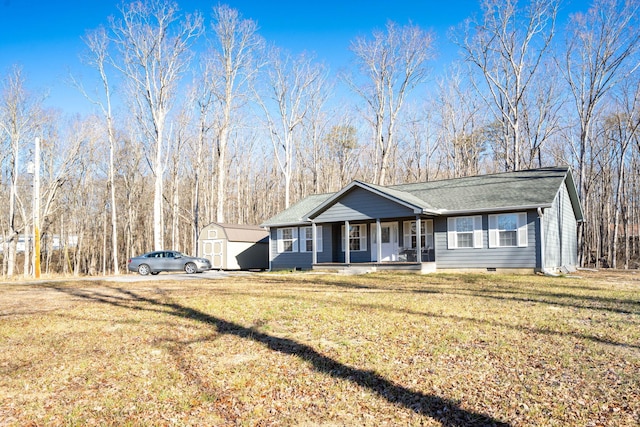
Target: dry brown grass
[[307, 349]]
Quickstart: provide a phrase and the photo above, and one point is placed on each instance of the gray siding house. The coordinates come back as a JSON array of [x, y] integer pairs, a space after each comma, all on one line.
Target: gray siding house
[[524, 220]]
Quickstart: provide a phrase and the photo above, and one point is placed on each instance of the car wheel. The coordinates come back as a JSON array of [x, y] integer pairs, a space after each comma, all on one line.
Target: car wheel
[[144, 269], [190, 268]]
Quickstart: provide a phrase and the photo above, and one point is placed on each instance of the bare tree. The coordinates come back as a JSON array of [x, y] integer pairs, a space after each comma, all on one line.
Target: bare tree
[[393, 63], [623, 130], [420, 145], [602, 45], [233, 65], [19, 116], [507, 48], [313, 130], [293, 84], [461, 125], [201, 97], [98, 44], [541, 115], [341, 144], [153, 42]]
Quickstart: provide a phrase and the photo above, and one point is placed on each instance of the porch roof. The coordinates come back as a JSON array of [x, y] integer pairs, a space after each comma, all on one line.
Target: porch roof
[[408, 200]]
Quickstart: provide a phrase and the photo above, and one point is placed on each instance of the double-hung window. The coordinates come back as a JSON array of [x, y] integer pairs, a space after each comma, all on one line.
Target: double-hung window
[[306, 239], [464, 232], [288, 239], [357, 238], [426, 234], [508, 230]]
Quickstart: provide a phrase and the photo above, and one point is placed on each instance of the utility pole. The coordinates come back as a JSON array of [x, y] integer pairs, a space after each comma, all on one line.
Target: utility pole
[[36, 211]]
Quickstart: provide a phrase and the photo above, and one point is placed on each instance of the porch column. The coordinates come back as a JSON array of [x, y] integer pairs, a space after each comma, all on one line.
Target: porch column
[[379, 240], [418, 239], [314, 249], [347, 249]]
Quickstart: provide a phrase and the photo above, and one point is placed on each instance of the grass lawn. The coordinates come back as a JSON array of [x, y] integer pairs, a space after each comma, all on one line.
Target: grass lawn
[[309, 349]]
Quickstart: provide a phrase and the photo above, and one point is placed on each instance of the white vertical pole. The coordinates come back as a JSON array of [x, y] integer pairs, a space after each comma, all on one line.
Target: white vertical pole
[[36, 211], [347, 239], [270, 249], [379, 240], [314, 249], [418, 239]]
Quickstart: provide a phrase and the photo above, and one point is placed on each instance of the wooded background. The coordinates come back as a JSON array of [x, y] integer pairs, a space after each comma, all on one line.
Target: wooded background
[[197, 119]]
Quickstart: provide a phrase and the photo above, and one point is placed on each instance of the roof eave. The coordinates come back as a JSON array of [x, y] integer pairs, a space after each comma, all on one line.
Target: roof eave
[[573, 194], [327, 203], [434, 212], [446, 212], [286, 224]]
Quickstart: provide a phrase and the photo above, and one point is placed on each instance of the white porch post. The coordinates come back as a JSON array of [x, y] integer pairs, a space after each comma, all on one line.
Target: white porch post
[[378, 240], [418, 239], [314, 249], [347, 249]]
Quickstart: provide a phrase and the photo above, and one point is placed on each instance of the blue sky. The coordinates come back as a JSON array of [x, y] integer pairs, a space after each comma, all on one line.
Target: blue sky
[[44, 37]]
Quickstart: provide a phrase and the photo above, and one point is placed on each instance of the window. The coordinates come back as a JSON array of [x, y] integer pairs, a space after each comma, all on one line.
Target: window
[[426, 234], [288, 239], [306, 239], [508, 230], [464, 232], [357, 238]]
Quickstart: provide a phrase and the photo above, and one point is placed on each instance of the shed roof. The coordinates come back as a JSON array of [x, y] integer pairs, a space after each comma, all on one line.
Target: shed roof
[[242, 232]]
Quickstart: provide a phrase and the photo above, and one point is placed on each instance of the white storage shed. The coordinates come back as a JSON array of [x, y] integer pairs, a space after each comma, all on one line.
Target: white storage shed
[[235, 246]]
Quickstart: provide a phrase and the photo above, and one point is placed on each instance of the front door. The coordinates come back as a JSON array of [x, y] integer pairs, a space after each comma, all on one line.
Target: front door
[[389, 241]]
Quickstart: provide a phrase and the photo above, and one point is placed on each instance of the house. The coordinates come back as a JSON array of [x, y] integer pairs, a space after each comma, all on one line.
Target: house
[[234, 246], [524, 220]]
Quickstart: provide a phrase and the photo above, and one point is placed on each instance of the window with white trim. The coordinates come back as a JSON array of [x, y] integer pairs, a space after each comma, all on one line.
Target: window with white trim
[[288, 239], [508, 230], [357, 238], [464, 232], [426, 234], [306, 239]]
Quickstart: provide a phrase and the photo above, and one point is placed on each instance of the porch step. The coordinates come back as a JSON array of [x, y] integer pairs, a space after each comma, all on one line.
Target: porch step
[[372, 267], [352, 271]]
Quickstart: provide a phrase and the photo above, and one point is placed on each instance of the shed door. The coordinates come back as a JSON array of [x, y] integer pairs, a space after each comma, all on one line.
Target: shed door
[[214, 250]]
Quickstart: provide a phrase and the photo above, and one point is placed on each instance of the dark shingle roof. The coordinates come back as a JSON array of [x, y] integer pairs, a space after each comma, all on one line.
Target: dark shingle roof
[[501, 191], [296, 213], [534, 187], [399, 193]]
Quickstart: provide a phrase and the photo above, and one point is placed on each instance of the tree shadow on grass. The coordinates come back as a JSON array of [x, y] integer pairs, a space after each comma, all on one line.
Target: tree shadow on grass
[[385, 308], [513, 293], [446, 411]]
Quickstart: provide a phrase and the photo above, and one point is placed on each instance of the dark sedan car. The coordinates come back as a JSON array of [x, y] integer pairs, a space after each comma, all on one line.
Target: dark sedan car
[[157, 261]]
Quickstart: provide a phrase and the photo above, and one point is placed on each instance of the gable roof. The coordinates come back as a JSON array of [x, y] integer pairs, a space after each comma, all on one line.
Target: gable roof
[[404, 198], [502, 191], [527, 189], [296, 213], [241, 232]]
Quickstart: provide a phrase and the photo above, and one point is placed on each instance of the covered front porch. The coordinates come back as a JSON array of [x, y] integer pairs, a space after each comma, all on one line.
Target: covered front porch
[[390, 243], [369, 227]]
